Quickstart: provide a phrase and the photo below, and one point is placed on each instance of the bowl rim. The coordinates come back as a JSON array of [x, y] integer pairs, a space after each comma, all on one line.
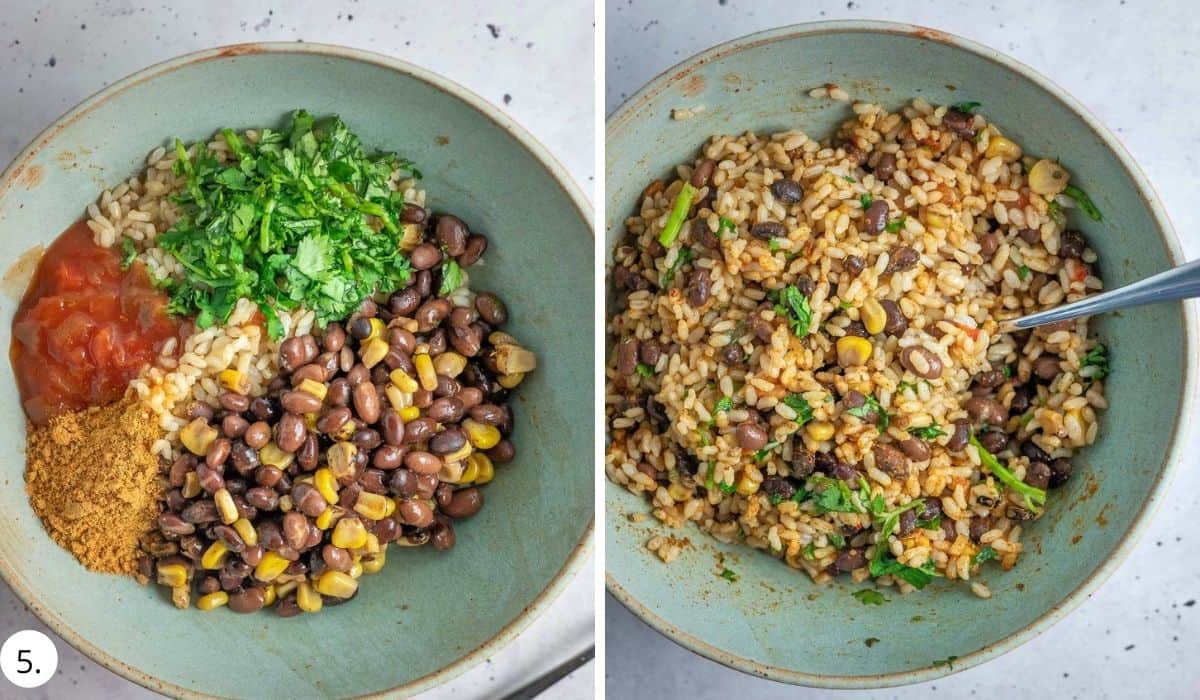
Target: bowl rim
[[1188, 386], [570, 188]]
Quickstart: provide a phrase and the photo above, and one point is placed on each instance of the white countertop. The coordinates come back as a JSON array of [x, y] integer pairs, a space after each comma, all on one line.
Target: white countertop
[[533, 58], [1135, 68]]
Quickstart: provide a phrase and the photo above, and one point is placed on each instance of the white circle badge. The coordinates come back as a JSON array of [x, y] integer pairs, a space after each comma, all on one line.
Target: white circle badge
[[28, 659]]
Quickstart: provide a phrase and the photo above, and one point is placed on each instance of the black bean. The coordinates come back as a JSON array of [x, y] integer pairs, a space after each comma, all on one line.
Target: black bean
[[885, 167], [415, 513], [264, 409], [263, 498], [465, 503], [979, 526], [876, 216], [366, 402], [1038, 475], [419, 430], [200, 512], [915, 449], [442, 537], [237, 403], [850, 559], [1060, 472], [1071, 244], [902, 258], [308, 500], [779, 488], [703, 172], [1030, 235], [172, 524], [890, 460], [1020, 401], [959, 436], [750, 435], [961, 123], [921, 362], [895, 323], [476, 246], [503, 452], [990, 379], [803, 461], [854, 265], [309, 454], [218, 452], [199, 409], [844, 471], [289, 432], [1047, 367], [1030, 450], [447, 442], [451, 233], [908, 520], [733, 354], [986, 410], [698, 287], [424, 257], [787, 191], [211, 479], [627, 354], [768, 230], [994, 441], [988, 243], [412, 214]]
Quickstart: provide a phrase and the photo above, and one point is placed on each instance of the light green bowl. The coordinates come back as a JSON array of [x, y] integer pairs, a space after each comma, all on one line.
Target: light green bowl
[[428, 615], [774, 622]]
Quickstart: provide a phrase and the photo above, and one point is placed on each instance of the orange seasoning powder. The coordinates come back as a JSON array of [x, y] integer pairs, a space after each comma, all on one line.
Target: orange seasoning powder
[[93, 481]]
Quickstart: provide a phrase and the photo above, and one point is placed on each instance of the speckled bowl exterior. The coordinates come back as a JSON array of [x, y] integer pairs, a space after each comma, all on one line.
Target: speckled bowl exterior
[[774, 622], [428, 615]]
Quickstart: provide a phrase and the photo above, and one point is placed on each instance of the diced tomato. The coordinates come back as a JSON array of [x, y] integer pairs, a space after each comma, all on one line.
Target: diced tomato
[[85, 327], [972, 333], [1080, 272]]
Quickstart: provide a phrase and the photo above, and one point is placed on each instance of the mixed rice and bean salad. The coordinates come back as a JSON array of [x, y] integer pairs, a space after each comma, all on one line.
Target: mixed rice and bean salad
[[808, 357], [293, 332]]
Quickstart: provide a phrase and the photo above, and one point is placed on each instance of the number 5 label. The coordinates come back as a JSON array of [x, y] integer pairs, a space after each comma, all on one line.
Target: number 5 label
[[28, 659]]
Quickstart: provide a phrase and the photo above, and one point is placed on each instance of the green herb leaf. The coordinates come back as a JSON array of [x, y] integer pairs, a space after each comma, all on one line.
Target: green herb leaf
[[895, 224], [645, 370], [726, 487], [128, 252], [1008, 371], [934, 523], [810, 550], [833, 496], [773, 245], [903, 386], [948, 661], [766, 450], [849, 178], [929, 432], [729, 575], [1094, 364], [1023, 272], [709, 481], [1085, 202], [883, 563], [843, 305], [872, 405], [869, 596], [985, 554], [684, 257], [679, 210], [965, 107], [799, 404], [793, 306], [865, 200], [1035, 498], [724, 225], [304, 218], [836, 539], [725, 403], [1054, 209], [452, 278]]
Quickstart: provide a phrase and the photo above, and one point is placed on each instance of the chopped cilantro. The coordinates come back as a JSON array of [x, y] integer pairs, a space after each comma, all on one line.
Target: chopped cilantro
[[843, 305], [929, 432], [1023, 272], [836, 539], [1034, 497], [645, 370], [834, 496], [934, 523], [452, 277], [902, 386], [773, 245], [709, 482], [869, 596], [685, 256], [1085, 202], [965, 107], [725, 403], [128, 252], [726, 225], [865, 200], [1096, 358], [849, 178], [793, 306], [883, 563], [729, 575], [895, 224], [679, 210], [726, 488], [796, 402], [1025, 419], [872, 405], [766, 450], [1054, 209], [1008, 371], [302, 217], [810, 550], [985, 554]]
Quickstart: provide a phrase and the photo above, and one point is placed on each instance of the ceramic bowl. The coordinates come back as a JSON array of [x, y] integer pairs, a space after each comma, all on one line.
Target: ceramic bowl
[[428, 615], [774, 622]]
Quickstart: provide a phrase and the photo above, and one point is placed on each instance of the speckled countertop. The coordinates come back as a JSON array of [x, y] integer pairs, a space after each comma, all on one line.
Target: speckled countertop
[[1135, 66], [514, 53]]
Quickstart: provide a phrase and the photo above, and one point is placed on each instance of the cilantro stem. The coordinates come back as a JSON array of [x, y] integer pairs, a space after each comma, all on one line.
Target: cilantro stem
[[1034, 497], [679, 210]]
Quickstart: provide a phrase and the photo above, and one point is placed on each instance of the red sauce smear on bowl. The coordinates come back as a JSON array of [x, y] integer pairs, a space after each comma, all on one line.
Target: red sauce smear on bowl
[[85, 327]]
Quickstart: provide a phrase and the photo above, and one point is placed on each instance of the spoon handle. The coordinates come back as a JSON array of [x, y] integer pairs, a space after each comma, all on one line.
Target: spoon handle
[[1181, 282]]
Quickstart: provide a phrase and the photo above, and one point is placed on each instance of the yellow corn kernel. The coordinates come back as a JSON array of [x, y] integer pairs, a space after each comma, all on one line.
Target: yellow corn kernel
[[310, 421], [372, 506], [269, 596], [513, 359], [197, 436], [481, 435], [225, 506], [397, 399], [246, 531], [285, 503], [470, 470], [1008, 151], [234, 381], [336, 584], [402, 381], [460, 454], [389, 507], [747, 486], [271, 566], [853, 351], [411, 236], [1048, 178], [173, 575], [329, 517], [181, 597], [819, 430], [373, 352], [212, 601], [425, 373], [371, 547], [873, 316], [377, 329], [451, 472], [283, 588], [679, 493], [356, 569], [349, 533], [373, 563], [935, 220], [270, 454], [341, 458], [326, 484], [191, 485], [312, 386], [449, 364], [214, 556], [307, 597], [410, 413], [510, 381], [487, 470]]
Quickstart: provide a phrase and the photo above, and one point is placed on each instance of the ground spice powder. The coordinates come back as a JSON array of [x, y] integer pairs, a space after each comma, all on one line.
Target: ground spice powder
[[93, 481]]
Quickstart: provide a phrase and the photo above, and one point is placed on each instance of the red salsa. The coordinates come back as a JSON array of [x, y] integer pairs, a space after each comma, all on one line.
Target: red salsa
[[85, 327]]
